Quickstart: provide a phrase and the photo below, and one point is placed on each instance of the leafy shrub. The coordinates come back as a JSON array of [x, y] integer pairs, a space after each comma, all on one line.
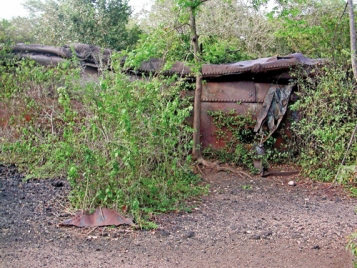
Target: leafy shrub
[[328, 111], [121, 143]]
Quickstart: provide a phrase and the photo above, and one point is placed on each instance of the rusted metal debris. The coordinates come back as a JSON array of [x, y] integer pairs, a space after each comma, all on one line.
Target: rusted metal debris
[[97, 58], [100, 217], [92, 58], [261, 88], [257, 66]]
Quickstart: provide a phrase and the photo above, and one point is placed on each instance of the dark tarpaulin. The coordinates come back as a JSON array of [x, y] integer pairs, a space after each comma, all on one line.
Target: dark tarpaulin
[[274, 108]]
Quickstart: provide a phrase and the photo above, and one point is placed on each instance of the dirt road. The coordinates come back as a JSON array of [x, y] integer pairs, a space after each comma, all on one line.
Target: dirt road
[[262, 222]]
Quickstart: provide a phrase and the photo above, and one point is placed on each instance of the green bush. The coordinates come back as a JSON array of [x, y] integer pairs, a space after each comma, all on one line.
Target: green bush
[[121, 143], [327, 108]]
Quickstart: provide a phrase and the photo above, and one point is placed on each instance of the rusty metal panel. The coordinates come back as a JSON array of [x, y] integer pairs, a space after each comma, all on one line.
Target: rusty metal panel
[[208, 129], [262, 65], [241, 91], [225, 97], [261, 91]]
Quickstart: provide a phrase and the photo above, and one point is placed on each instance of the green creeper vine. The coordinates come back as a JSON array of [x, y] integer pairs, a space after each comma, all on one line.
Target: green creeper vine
[[237, 132]]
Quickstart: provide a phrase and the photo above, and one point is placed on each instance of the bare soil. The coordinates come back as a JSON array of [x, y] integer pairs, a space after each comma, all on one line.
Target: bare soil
[[259, 222]]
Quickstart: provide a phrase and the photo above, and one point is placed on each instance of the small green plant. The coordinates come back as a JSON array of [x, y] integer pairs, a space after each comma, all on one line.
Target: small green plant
[[353, 191], [246, 187], [352, 246]]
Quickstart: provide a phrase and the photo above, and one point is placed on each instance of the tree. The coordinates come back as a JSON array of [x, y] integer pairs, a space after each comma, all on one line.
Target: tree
[[352, 38], [98, 22], [312, 27], [180, 24], [229, 30], [193, 6], [16, 30]]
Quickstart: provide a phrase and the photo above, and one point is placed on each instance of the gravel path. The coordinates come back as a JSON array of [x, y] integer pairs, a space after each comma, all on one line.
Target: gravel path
[[262, 222]]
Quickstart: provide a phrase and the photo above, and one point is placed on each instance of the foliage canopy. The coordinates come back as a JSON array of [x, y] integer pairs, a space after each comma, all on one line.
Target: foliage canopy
[[57, 22]]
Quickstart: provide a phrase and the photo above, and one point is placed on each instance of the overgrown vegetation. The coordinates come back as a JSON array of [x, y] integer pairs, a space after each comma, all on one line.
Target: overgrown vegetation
[[121, 143], [327, 108], [314, 28], [237, 133]]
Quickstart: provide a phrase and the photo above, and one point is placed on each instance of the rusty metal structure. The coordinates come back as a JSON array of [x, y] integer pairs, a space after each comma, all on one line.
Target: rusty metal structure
[[261, 87]]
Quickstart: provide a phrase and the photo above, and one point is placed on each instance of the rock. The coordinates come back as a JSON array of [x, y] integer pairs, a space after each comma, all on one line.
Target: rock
[[337, 200], [256, 237], [267, 234], [189, 234], [162, 233], [292, 183], [316, 247], [115, 235], [57, 184]]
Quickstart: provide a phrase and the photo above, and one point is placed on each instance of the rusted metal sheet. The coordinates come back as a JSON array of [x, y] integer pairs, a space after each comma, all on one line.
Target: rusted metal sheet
[[95, 57], [101, 217], [259, 65], [240, 86], [240, 96], [261, 91], [208, 129], [239, 91]]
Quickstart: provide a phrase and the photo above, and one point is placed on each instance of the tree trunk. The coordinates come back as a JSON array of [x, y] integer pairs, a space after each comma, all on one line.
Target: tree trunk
[[196, 151], [353, 38]]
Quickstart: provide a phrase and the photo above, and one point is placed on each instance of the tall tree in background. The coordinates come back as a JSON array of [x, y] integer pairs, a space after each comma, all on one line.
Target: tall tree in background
[[229, 30], [314, 28], [98, 22]]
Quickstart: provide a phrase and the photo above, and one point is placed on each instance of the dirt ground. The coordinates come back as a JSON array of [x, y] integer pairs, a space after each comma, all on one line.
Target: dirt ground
[[262, 222]]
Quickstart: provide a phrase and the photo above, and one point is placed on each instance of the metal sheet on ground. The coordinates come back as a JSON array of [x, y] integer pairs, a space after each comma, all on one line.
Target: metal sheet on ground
[[101, 217]]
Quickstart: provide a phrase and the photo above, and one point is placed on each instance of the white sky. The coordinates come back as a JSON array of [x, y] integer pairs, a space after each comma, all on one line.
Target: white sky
[[13, 8]]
